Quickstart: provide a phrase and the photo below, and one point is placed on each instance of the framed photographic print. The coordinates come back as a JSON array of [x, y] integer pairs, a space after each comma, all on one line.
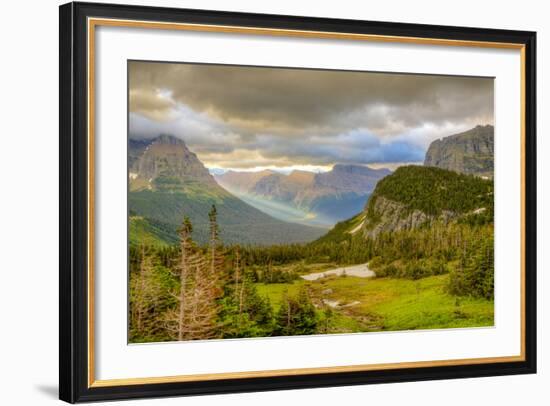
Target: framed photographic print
[[257, 202]]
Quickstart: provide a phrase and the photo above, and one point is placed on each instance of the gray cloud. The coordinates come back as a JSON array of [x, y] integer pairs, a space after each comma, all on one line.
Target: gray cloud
[[276, 99], [305, 114]]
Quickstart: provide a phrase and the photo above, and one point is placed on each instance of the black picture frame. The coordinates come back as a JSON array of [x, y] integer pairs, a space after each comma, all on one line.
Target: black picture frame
[[73, 284]]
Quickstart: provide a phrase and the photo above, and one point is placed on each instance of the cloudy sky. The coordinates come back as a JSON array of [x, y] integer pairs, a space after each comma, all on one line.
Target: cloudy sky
[[252, 118]]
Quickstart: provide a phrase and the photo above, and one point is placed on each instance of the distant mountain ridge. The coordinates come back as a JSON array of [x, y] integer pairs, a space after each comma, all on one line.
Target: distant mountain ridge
[[470, 152], [336, 194], [242, 182], [168, 181]]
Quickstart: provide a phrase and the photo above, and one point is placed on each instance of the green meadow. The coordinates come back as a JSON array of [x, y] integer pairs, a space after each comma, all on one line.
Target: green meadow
[[386, 304]]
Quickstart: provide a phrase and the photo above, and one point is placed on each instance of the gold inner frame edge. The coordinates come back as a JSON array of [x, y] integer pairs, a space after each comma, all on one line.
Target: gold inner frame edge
[[94, 22]]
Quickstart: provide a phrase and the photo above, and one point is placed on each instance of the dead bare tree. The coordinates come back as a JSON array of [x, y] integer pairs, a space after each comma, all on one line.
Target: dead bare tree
[[195, 316]]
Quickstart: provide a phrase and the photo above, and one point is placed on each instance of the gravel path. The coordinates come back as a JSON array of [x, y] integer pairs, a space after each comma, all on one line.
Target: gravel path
[[361, 271]]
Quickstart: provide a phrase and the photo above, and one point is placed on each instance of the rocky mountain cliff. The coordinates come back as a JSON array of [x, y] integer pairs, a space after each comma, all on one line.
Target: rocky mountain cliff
[[387, 215], [135, 149], [470, 152], [168, 182]]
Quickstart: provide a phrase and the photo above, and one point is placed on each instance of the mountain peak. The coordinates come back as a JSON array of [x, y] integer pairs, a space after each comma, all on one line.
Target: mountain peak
[[168, 139], [167, 163], [469, 152], [265, 172]]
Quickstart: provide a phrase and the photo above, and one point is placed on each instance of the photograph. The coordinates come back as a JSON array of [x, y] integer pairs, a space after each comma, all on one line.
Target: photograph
[[278, 201], [254, 201]]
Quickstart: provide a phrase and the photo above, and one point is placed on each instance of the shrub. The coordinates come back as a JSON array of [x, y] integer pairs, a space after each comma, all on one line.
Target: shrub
[[416, 270], [390, 270], [297, 315], [376, 262]]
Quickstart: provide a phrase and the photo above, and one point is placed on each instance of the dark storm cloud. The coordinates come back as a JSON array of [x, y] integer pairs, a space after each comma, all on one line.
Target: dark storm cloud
[[305, 114], [268, 98]]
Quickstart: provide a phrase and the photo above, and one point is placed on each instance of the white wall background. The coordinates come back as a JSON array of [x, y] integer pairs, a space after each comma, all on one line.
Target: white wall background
[[28, 203]]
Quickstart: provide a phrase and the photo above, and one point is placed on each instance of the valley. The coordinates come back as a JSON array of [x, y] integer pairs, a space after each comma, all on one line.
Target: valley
[[309, 198]]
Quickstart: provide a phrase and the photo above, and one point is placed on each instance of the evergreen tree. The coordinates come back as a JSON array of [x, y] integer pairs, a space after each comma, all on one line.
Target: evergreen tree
[[144, 293], [216, 257], [243, 312], [297, 315], [474, 275], [150, 286]]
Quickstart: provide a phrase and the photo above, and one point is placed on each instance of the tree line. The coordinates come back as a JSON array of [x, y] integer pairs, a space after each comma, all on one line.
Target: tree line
[[432, 190]]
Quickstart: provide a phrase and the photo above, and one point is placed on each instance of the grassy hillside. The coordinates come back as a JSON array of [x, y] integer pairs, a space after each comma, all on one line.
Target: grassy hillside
[[239, 222], [150, 232], [343, 230]]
